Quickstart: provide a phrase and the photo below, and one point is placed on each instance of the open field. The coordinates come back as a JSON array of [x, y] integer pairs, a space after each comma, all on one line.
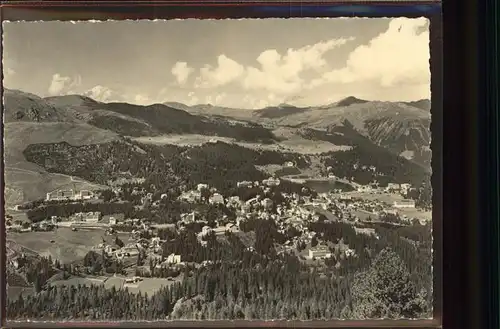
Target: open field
[[75, 281], [18, 135], [151, 285], [17, 215], [182, 140], [290, 142], [389, 198], [148, 285], [326, 185], [24, 185], [68, 246], [364, 215], [415, 213]]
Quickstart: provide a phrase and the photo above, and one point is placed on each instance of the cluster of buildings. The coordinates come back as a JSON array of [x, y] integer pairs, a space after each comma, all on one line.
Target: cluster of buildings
[[113, 250], [398, 188], [295, 213], [194, 196], [404, 204], [219, 230], [323, 251], [299, 211], [89, 217]]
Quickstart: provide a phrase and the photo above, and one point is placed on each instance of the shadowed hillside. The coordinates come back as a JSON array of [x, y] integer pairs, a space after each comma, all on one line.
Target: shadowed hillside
[[27, 181], [126, 119], [401, 127], [365, 162], [280, 111], [219, 164], [348, 101]]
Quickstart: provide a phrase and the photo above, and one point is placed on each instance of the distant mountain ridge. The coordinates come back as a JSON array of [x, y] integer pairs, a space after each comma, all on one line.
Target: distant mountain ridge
[[280, 111], [383, 129], [125, 119], [402, 127], [424, 104], [350, 100]]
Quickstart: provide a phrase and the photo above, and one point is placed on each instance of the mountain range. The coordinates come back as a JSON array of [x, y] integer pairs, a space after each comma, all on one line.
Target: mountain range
[[396, 131], [401, 127]]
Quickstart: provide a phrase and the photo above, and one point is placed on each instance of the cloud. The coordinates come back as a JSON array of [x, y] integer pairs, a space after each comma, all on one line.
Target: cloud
[[393, 66], [107, 95], [8, 75], [276, 73], [104, 94], [226, 71], [61, 85], [181, 71], [9, 64], [141, 99], [8, 72], [398, 56], [232, 99], [217, 100], [281, 73]]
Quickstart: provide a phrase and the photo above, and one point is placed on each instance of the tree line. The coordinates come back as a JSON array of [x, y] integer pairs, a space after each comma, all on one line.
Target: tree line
[[275, 290]]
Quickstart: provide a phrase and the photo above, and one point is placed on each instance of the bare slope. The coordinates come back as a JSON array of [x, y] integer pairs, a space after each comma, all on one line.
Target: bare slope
[[21, 106], [26, 181]]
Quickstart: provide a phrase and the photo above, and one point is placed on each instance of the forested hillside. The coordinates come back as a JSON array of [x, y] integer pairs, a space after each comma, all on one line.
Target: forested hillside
[[252, 286]]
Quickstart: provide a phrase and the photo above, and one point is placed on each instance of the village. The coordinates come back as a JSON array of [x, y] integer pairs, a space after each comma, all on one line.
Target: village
[[367, 204]]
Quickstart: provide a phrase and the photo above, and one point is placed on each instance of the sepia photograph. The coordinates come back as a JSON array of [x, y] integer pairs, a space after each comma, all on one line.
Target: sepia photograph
[[200, 170]]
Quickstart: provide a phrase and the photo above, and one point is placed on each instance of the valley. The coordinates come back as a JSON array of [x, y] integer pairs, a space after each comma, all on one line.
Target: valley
[[171, 181], [236, 170]]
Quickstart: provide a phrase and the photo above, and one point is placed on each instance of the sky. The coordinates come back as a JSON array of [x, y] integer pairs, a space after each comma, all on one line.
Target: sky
[[247, 63]]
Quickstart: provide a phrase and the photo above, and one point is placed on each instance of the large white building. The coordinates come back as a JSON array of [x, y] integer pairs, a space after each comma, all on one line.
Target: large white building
[[201, 187], [173, 259], [245, 184], [112, 221], [393, 187], [91, 217], [320, 252], [189, 218], [62, 195], [405, 187], [271, 181], [216, 198], [404, 204], [84, 195]]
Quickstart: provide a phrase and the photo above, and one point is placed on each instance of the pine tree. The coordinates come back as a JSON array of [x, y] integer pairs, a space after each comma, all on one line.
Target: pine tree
[[385, 290]]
